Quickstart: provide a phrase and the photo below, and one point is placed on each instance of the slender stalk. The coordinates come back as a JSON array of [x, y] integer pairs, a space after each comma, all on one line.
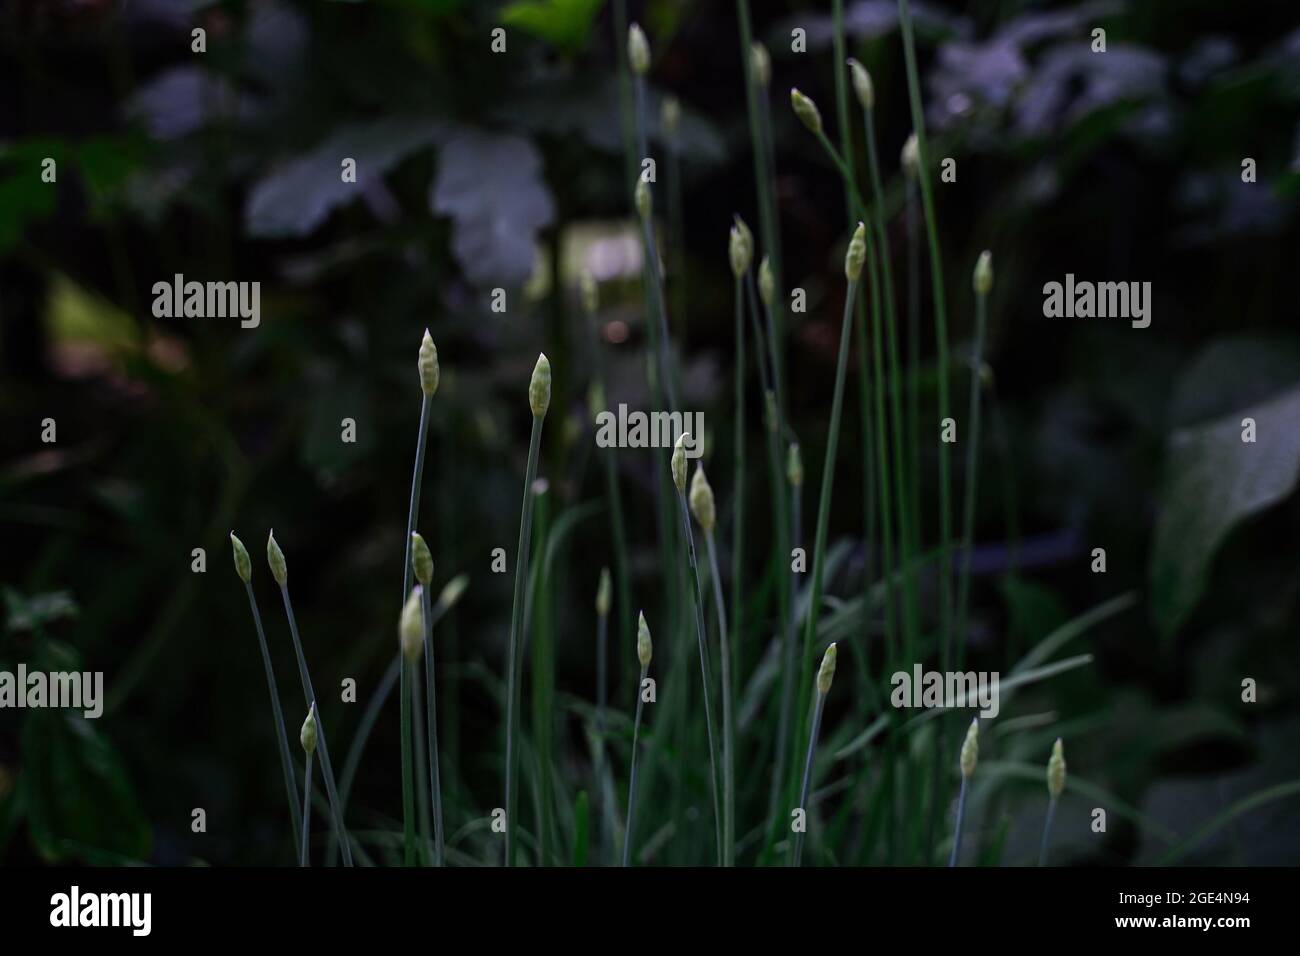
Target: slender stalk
[[940, 314], [515, 654], [728, 731], [431, 712], [738, 498], [429, 376], [824, 677], [828, 466], [961, 817], [914, 356], [282, 737], [631, 785], [972, 462], [336, 809], [1047, 831], [304, 858]]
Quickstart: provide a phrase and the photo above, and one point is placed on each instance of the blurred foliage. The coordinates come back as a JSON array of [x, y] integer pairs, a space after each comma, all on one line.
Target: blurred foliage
[[474, 170]]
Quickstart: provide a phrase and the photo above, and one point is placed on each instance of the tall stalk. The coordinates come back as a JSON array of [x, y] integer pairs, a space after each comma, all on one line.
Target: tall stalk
[[280, 571], [678, 465], [741, 255], [940, 319], [602, 669], [422, 563], [825, 674], [983, 282], [539, 400], [430, 375], [307, 737], [702, 506], [244, 568], [644, 651]]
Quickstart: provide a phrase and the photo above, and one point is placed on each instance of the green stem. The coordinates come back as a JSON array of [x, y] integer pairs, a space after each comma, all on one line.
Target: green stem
[[631, 785], [304, 858], [282, 737], [336, 808], [961, 817], [972, 475], [797, 855], [408, 774], [431, 713], [1047, 831], [728, 732], [515, 651]]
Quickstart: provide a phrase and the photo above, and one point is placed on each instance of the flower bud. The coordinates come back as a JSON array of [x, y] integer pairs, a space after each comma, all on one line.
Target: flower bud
[[794, 465], [421, 559], [644, 205], [644, 648], [857, 253], [678, 462], [428, 364], [866, 93], [740, 248], [1056, 770], [410, 626], [539, 387], [638, 50], [603, 593], [452, 590], [670, 115], [243, 566], [275, 558], [307, 736], [702, 505], [761, 63], [826, 673], [970, 748], [806, 110], [766, 281], [910, 158], [983, 280]]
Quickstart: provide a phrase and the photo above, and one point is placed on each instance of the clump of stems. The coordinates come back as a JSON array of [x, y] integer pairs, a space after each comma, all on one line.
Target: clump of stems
[[539, 400], [969, 755], [280, 571], [644, 651], [307, 737], [825, 674], [1055, 787], [244, 568]]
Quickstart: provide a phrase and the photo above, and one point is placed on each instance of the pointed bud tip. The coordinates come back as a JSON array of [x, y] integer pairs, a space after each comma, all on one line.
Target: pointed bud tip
[[539, 386]]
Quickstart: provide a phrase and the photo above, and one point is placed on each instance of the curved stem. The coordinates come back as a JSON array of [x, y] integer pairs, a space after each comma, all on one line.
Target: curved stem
[[304, 858], [431, 716]]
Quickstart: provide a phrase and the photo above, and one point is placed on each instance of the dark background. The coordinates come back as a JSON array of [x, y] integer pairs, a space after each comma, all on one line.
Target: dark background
[[224, 165]]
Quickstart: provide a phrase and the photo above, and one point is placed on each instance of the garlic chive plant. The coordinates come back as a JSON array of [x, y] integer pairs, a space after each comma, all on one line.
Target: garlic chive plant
[[430, 374], [307, 737], [970, 750], [702, 506], [1055, 787], [825, 674], [539, 401], [678, 466], [644, 651], [244, 568], [422, 562], [280, 571]]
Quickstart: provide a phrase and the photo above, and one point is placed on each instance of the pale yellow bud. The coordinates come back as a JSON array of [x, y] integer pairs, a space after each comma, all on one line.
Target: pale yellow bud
[[970, 748], [539, 387], [1056, 770], [702, 505], [857, 253], [826, 673], [644, 649], [428, 365], [410, 626]]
